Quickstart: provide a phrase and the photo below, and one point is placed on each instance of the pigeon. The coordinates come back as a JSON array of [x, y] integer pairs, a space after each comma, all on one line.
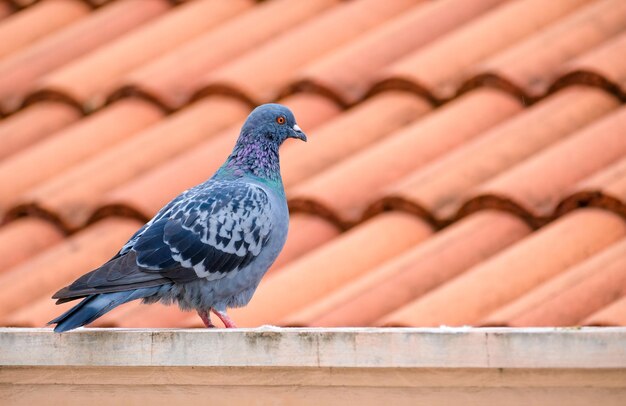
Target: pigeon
[[208, 248]]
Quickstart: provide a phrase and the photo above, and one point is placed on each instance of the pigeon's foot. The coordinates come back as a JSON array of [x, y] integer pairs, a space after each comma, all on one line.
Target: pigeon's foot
[[205, 315], [228, 322]]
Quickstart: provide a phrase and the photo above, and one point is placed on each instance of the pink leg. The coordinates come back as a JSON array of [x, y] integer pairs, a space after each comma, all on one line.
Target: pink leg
[[205, 315], [228, 322]]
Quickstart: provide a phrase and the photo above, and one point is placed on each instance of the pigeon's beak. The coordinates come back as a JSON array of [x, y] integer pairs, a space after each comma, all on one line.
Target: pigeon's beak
[[297, 133]]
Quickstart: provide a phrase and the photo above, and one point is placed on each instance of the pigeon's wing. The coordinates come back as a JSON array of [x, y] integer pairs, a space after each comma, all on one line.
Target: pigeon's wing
[[164, 212], [208, 232], [216, 232]]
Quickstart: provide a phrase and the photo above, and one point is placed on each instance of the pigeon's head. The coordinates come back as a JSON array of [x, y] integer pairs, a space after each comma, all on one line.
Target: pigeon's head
[[256, 150], [273, 122]]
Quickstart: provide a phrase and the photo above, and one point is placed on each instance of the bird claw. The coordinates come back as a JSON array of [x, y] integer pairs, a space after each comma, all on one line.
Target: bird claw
[[228, 322], [206, 318]]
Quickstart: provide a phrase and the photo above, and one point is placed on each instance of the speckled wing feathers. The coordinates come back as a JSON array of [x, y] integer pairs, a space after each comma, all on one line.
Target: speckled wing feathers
[[214, 231]]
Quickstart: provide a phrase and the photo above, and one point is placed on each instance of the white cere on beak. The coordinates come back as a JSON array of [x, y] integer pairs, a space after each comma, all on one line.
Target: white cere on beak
[[297, 128]]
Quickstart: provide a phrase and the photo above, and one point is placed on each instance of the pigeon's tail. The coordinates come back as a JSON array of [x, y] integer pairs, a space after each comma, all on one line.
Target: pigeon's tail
[[94, 306]]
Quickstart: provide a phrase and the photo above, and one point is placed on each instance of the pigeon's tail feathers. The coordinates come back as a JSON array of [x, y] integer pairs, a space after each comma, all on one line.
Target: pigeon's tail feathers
[[94, 306], [120, 274]]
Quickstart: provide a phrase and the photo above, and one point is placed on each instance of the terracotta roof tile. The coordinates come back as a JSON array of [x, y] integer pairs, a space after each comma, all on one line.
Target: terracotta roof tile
[[18, 5], [45, 273], [537, 185], [315, 274], [428, 179], [172, 84], [83, 140], [530, 67], [611, 181], [347, 74], [145, 194], [440, 68], [312, 110], [38, 21], [612, 315], [347, 188], [35, 314], [34, 124], [570, 297], [359, 127], [73, 196], [260, 75], [524, 266], [363, 300], [602, 66], [5, 9], [439, 189], [76, 81], [24, 238], [605, 189], [19, 72], [306, 232]]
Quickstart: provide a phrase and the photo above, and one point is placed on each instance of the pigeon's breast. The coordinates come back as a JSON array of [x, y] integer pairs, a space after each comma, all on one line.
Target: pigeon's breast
[[278, 234], [237, 288]]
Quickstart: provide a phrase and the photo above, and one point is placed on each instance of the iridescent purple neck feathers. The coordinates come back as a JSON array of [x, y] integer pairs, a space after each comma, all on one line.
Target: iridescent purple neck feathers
[[258, 158]]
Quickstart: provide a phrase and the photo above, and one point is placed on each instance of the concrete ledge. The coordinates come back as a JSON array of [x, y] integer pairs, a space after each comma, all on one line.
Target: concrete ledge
[[447, 348], [434, 367]]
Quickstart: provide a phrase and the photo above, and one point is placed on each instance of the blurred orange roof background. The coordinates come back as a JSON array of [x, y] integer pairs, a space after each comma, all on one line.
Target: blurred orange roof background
[[466, 162]]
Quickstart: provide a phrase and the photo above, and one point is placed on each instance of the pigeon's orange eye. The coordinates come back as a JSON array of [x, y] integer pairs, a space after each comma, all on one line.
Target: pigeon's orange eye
[[280, 120]]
